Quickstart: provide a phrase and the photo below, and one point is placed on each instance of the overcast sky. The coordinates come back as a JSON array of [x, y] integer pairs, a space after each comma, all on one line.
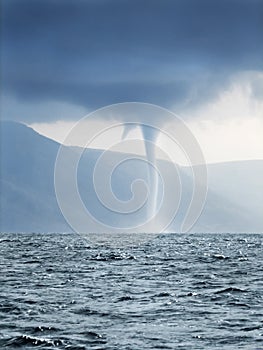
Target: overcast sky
[[200, 58]]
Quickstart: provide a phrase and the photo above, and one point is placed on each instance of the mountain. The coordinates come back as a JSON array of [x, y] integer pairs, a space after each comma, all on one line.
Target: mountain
[[28, 201], [244, 184], [29, 204]]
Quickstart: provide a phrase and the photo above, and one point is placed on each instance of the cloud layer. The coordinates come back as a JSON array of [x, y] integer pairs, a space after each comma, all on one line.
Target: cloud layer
[[92, 53]]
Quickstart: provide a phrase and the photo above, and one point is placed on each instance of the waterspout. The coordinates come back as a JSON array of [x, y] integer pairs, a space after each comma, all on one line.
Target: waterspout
[[150, 135]]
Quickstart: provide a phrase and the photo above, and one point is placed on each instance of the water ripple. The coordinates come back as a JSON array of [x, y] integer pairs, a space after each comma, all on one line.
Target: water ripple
[[175, 292]]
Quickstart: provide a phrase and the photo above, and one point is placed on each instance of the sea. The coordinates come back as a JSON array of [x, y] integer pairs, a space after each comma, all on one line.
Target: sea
[[176, 291]]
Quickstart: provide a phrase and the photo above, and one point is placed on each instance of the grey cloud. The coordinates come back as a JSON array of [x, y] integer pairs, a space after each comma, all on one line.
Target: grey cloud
[[94, 53]]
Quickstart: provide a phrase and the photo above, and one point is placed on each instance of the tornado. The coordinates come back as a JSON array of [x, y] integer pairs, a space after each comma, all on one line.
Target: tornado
[[149, 135]]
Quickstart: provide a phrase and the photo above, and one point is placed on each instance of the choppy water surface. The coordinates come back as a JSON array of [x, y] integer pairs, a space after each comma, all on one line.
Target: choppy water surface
[[175, 292]]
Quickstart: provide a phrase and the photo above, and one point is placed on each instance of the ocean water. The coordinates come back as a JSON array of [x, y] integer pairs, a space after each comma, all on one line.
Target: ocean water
[[174, 292]]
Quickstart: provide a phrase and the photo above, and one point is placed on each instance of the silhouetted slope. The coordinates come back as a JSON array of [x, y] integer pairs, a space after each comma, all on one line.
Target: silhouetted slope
[[28, 201]]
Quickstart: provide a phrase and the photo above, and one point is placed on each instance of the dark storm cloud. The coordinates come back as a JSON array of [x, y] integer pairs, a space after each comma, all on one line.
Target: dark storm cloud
[[93, 53]]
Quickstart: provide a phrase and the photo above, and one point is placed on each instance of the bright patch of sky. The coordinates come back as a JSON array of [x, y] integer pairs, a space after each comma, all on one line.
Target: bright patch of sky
[[228, 128]]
